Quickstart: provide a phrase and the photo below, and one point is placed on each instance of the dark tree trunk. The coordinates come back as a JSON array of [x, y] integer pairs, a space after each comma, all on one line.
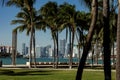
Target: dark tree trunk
[[57, 55], [88, 40], [113, 55], [78, 40], [31, 42], [118, 46], [97, 52], [70, 50], [106, 40], [54, 59], [92, 56], [14, 47], [34, 50]]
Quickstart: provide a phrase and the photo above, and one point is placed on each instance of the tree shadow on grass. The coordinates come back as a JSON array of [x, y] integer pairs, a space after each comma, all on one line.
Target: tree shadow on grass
[[24, 72]]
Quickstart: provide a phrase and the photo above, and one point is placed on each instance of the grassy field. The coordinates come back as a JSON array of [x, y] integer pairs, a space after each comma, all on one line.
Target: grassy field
[[48, 74]]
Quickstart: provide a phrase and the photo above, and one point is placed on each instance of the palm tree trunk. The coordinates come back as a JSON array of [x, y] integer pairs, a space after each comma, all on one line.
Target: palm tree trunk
[[57, 58], [70, 50], [30, 55], [34, 50], [54, 59], [32, 32], [88, 40], [14, 47], [118, 46], [106, 41], [113, 55], [92, 56], [72, 44], [97, 52], [78, 40]]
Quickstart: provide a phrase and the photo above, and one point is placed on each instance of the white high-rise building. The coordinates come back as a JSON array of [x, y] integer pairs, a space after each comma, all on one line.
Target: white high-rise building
[[23, 49], [75, 51], [38, 52], [50, 52]]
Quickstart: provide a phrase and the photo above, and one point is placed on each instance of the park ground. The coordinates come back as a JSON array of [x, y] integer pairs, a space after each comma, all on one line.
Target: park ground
[[50, 74]]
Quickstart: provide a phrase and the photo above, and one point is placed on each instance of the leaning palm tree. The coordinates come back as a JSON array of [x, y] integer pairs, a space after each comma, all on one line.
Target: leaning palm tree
[[88, 40]]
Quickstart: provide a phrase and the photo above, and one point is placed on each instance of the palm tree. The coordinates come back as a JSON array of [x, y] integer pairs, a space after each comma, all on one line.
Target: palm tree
[[50, 16], [118, 45], [24, 20], [69, 15], [28, 4], [88, 40]]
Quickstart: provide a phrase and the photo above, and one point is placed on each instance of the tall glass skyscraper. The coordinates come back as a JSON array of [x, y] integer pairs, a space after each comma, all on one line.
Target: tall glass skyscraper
[[23, 49], [62, 47]]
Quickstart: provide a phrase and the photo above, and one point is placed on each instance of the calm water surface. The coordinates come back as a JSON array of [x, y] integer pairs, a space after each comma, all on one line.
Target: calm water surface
[[8, 60]]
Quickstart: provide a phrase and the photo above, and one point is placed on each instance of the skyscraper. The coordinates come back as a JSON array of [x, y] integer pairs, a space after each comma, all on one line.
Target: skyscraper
[[23, 49], [38, 52], [47, 50], [75, 51], [62, 47], [26, 50], [68, 50]]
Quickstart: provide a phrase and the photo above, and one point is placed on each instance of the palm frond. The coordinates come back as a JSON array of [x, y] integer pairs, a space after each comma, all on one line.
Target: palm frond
[[17, 22], [17, 3]]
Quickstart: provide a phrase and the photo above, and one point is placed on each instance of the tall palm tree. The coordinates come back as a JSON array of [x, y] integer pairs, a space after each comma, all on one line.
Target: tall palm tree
[[118, 45], [50, 16], [88, 40], [28, 4], [24, 20], [69, 14]]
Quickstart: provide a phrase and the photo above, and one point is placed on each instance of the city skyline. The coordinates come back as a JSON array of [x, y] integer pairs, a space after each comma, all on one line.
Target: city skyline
[[48, 51], [42, 38]]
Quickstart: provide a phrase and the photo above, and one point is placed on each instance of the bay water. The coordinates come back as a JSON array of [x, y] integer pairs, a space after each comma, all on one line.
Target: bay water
[[8, 60]]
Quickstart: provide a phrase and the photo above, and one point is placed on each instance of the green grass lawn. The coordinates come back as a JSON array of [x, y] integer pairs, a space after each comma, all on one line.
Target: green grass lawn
[[48, 74]]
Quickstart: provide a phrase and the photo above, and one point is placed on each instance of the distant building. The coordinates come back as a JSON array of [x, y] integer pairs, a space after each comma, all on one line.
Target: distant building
[[5, 49], [23, 49], [68, 50], [75, 51], [42, 52], [38, 52], [50, 52], [48, 47], [26, 50], [62, 47]]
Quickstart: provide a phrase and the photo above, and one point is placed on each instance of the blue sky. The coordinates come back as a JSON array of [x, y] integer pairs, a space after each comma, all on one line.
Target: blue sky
[[42, 38]]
